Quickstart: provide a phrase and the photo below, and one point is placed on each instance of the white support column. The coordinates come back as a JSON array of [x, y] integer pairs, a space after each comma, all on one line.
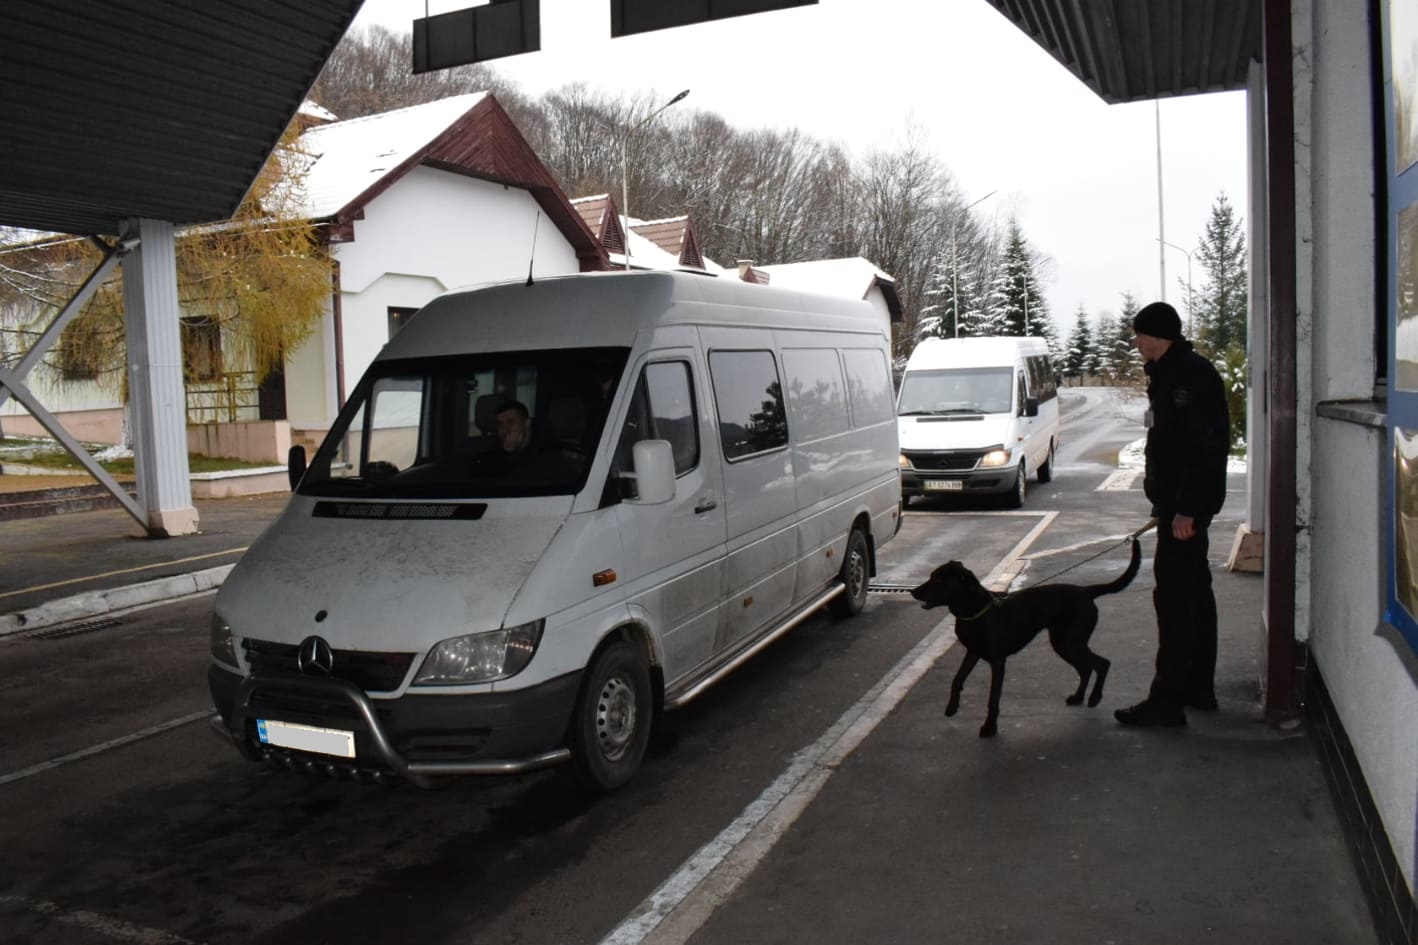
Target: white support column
[[155, 391], [1248, 547]]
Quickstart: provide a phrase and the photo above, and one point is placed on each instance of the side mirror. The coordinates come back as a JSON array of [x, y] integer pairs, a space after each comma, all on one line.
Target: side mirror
[[654, 465], [295, 465], [1031, 406]]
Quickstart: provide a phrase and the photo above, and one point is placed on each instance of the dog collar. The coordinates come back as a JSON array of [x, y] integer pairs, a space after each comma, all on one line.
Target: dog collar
[[981, 613]]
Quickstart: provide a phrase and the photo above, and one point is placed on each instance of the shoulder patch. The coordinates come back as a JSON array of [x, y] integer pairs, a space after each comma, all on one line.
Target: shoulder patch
[[1181, 396]]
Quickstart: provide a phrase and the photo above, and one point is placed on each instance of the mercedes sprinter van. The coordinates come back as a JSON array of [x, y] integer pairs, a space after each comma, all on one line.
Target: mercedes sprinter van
[[977, 416], [549, 512]]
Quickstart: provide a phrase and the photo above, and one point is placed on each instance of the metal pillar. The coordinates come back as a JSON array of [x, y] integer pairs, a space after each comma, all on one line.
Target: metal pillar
[[156, 397]]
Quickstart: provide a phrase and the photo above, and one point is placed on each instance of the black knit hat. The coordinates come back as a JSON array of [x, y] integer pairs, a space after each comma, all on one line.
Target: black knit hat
[[1159, 320]]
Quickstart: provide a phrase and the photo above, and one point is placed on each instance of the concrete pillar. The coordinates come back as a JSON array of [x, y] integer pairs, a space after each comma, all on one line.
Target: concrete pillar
[[1248, 547], [156, 396]]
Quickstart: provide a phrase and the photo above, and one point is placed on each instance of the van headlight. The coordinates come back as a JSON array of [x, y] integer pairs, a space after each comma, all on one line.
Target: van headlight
[[220, 641], [996, 457], [480, 657], [906, 463]]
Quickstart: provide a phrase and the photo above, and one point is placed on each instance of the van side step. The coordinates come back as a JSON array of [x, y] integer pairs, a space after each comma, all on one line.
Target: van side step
[[807, 610]]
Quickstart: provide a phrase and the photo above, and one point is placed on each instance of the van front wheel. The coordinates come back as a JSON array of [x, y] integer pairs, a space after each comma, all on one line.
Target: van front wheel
[[855, 574], [1015, 499], [611, 726]]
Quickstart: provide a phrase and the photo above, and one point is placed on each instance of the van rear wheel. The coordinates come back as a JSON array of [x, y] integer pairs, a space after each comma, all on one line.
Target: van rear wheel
[[855, 574], [611, 724], [1046, 469]]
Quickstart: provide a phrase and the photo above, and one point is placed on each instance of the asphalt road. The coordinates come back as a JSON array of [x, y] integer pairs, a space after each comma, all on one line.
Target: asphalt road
[[128, 820]]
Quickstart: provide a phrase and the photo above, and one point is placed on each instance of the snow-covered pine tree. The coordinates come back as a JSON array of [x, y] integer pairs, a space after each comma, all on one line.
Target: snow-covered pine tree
[[1078, 349], [1221, 301]]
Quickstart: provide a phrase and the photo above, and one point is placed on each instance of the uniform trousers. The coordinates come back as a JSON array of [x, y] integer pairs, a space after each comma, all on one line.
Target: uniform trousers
[[1186, 617]]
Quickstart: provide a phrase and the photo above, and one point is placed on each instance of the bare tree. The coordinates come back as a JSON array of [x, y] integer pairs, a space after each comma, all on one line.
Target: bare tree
[[371, 71]]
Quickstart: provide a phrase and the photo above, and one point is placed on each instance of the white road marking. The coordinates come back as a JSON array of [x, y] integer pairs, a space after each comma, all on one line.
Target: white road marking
[[106, 926], [1119, 481], [1069, 549], [105, 746], [684, 902]]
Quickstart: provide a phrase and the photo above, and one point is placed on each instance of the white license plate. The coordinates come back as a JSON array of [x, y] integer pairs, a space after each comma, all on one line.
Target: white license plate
[[944, 485], [323, 741]]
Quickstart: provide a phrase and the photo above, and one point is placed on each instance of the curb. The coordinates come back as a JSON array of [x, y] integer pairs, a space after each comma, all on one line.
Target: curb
[[114, 600]]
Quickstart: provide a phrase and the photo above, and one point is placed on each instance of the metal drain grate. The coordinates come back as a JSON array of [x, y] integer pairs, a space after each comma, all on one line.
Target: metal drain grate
[[890, 590], [73, 629]]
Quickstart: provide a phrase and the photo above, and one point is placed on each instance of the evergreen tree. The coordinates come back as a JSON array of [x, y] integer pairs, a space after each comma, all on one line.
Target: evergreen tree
[[1094, 361], [1221, 301], [1122, 363], [938, 315], [1017, 306], [1078, 351]]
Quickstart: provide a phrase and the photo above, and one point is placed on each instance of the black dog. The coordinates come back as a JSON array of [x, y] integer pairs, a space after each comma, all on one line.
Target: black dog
[[994, 627]]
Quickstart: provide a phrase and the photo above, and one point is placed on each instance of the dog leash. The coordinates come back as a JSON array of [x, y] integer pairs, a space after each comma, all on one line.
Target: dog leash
[[1130, 536]]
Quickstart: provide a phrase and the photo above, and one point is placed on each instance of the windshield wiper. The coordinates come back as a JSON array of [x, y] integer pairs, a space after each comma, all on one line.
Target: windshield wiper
[[333, 487], [939, 413]]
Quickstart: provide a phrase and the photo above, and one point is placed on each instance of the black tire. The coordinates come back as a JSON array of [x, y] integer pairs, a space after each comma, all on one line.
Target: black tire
[[1015, 499], [1046, 471], [611, 724], [855, 576]]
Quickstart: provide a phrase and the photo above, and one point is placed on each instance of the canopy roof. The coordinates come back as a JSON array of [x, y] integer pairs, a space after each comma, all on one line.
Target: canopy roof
[[164, 109], [1135, 50]]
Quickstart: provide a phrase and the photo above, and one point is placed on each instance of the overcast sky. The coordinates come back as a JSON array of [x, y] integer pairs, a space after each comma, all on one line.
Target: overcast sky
[[1002, 115]]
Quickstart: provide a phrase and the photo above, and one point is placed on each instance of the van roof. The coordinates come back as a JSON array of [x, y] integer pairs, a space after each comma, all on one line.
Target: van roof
[[601, 309], [935, 353]]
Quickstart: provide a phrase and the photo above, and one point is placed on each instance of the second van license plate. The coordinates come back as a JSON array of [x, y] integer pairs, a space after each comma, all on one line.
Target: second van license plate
[[944, 485]]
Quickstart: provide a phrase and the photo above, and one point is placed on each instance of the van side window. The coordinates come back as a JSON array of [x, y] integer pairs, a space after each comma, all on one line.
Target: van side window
[[867, 386], [1041, 377], [749, 394], [817, 402], [662, 408]]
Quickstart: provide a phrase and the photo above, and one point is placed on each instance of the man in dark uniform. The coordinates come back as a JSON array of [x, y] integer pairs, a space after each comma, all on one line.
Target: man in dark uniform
[[1188, 440]]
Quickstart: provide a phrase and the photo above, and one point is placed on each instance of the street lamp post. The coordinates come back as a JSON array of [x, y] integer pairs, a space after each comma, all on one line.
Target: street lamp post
[[955, 263], [624, 177], [1190, 308]]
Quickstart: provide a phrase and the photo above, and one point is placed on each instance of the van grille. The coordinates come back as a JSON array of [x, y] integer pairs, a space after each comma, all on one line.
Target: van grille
[[370, 671], [945, 460]]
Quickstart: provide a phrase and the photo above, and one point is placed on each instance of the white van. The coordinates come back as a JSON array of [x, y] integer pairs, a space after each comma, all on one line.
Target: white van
[[711, 463], [977, 415]]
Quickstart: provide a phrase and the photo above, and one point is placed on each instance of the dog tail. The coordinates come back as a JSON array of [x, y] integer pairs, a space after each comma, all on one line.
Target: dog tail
[[1098, 590]]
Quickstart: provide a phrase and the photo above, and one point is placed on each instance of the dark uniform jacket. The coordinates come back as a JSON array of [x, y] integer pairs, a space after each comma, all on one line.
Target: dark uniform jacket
[[1188, 436]]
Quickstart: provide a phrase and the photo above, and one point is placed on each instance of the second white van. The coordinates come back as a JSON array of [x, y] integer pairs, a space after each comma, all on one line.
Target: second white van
[[977, 416]]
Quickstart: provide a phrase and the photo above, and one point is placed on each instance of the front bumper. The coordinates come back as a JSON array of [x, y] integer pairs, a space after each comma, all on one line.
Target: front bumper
[[418, 737]]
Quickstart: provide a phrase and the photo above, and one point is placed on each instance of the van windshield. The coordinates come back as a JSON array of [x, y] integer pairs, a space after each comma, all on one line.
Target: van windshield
[[516, 423], [956, 390]]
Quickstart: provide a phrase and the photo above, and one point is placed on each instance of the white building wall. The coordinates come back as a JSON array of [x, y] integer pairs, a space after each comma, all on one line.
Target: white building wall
[[59, 396], [1371, 673], [429, 232]]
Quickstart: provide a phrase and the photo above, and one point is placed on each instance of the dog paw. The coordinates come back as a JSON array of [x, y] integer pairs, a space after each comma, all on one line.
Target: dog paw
[[1094, 699], [1074, 700], [987, 730], [952, 708]]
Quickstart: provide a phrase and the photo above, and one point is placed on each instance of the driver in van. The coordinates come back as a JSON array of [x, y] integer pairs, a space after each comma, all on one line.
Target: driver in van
[[514, 428]]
